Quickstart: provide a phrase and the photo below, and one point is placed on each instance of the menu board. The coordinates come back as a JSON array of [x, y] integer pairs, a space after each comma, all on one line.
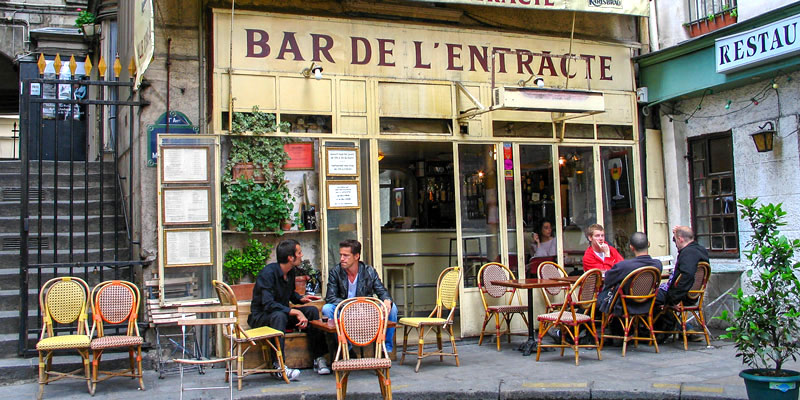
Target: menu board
[[185, 247], [184, 164], [186, 205], [343, 195], [342, 161]]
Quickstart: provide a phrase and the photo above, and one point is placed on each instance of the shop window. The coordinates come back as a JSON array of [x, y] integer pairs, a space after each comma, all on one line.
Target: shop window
[[619, 132], [578, 207], [619, 197], [577, 131], [522, 129], [308, 123], [416, 125], [714, 194]]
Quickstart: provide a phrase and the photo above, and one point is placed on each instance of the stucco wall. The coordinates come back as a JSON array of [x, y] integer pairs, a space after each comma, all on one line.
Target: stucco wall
[[770, 176]]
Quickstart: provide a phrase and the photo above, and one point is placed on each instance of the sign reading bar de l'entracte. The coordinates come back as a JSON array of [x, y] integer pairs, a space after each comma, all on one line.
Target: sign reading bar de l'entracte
[[767, 43], [628, 7]]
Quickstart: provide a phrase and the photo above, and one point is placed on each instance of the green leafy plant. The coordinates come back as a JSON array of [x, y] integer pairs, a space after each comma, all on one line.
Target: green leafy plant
[[734, 12], [248, 261], [257, 122], [766, 326], [305, 268], [84, 18], [711, 17], [248, 206]]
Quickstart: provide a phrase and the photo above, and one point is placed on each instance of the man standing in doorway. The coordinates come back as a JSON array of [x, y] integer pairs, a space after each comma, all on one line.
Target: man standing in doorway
[[273, 291], [353, 278], [600, 255]]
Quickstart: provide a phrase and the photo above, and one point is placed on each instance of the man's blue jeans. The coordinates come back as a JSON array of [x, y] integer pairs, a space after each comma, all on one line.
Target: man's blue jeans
[[328, 309]]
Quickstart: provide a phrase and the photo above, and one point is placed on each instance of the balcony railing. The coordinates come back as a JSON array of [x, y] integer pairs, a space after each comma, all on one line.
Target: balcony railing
[[700, 10]]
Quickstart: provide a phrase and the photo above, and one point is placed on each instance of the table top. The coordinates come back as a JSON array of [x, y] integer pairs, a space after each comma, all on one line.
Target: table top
[[329, 327], [531, 283]]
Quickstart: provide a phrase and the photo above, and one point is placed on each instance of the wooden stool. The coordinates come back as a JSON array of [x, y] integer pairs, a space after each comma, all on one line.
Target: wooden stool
[[404, 268]]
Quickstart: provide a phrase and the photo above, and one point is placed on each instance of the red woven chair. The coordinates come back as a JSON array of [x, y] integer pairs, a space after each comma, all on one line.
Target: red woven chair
[[361, 321], [639, 286], [498, 272], [681, 311], [551, 270], [569, 319], [63, 301], [116, 302]]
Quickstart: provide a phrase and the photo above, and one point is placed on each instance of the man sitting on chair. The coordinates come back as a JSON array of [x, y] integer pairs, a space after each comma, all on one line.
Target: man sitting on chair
[[620, 270], [600, 254], [353, 278], [689, 254]]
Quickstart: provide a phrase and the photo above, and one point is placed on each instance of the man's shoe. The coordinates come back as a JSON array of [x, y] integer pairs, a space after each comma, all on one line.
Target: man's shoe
[[290, 372], [321, 366]]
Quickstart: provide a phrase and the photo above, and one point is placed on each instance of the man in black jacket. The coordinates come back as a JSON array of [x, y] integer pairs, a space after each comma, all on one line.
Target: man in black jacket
[[353, 278], [273, 291], [615, 276], [689, 254]]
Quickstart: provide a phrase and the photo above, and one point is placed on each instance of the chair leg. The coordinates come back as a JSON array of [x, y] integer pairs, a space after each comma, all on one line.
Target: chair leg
[[597, 343], [140, 373], [279, 356], [42, 376], [87, 367], [683, 331], [420, 345], [483, 329], [576, 342], [387, 382], [497, 329], [542, 329], [439, 342], [239, 364], [405, 343], [453, 343], [97, 354]]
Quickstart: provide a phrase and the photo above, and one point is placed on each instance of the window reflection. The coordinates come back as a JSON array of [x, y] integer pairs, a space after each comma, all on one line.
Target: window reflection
[[619, 198], [578, 210]]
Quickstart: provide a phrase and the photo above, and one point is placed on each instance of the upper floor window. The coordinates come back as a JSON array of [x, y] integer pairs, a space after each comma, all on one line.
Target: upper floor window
[[709, 15], [714, 194]]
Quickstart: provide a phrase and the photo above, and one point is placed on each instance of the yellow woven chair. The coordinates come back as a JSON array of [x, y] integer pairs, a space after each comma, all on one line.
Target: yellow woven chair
[[361, 321], [63, 301], [498, 272], [640, 286], [116, 302], [245, 339], [551, 270], [446, 298], [681, 311], [569, 319]]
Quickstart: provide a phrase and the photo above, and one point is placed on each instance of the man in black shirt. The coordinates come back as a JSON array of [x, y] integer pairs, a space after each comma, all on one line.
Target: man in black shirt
[[273, 291]]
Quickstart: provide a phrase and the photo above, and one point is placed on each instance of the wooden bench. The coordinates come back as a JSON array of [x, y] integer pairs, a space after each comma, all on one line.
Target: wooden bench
[[168, 345]]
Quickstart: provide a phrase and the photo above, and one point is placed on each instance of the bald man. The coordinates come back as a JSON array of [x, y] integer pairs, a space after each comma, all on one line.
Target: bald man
[[689, 254]]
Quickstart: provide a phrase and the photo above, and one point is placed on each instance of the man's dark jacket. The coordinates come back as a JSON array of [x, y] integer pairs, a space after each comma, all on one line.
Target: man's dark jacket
[[368, 284], [686, 267], [272, 293], [614, 278]]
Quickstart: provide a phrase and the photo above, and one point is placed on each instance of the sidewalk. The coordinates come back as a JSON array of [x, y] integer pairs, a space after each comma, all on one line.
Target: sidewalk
[[700, 373]]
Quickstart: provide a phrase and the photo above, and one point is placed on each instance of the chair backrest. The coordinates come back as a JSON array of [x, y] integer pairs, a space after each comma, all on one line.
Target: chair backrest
[[64, 300], [639, 286], [701, 277], [115, 302], [361, 321], [584, 291], [447, 292], [228, 298], [550, 270], [494, 272]]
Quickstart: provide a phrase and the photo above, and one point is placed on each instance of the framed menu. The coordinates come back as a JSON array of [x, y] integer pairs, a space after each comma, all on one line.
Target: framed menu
[[186, 205], [184, 164], [342, 161], [343, 195], [188, 247], [301, 155]]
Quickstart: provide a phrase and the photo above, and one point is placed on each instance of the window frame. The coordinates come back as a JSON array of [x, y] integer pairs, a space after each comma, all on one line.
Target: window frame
[[694, 197]]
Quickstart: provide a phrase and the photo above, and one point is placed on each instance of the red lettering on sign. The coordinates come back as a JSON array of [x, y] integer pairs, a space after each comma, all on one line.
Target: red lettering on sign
[[605, 65], [452, 56], [524, 59], [252, 43], [564, 62], [547, 62], [588, 58], [475, 54], [418, 53], [383, 52], [354, 41], [289, 45], [319, 48], [502, 58]]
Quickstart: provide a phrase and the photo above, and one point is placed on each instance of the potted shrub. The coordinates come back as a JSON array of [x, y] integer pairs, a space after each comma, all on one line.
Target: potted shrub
[[248, 206], [306, 278], [247, 262], [766, 326], [85, 22]]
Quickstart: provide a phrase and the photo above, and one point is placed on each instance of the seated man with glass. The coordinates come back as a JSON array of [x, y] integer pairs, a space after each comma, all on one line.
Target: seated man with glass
[[353, 278]]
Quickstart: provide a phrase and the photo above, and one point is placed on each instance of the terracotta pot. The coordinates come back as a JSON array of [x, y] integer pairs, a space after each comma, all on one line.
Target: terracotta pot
[[243, 291], [286, 225], [300, 284], [248, 171]]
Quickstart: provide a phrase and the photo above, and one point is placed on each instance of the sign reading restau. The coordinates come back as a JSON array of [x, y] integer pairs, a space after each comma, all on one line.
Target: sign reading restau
[[757, 46]]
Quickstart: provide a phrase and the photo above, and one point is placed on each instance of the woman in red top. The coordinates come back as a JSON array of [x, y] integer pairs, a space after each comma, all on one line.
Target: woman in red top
[[600, 255]]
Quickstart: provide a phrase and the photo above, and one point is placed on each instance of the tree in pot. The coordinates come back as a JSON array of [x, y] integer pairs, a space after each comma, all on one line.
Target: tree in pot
[[765, 328]]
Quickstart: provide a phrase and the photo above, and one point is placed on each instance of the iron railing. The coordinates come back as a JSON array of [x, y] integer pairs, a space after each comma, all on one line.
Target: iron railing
[[700, 10]]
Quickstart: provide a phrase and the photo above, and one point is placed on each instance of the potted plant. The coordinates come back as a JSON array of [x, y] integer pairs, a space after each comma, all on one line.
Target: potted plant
[[246, 262], [85, 22], [306, 278], [766, 326], [248, 206]]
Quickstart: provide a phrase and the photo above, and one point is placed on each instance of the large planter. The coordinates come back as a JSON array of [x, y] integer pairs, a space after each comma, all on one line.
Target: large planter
[[248, 171], [760, 386], [300, 284]]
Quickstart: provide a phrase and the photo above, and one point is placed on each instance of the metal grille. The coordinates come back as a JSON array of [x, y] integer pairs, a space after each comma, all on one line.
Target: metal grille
[[708, 9]]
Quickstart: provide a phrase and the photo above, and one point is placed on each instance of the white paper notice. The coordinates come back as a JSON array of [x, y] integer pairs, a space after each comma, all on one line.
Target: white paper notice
[[343, 162], [186, 206], [342, 195], [188, 247], [185, 165]]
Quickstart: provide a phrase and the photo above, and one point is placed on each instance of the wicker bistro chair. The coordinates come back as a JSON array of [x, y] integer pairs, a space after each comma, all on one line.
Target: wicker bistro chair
[[681, 311], [446, 298], [361, 321], [63, 300], [116, 302], [550, 270], [225, 320], [639, 286], [245, 339], [569, 319], [498, 272]]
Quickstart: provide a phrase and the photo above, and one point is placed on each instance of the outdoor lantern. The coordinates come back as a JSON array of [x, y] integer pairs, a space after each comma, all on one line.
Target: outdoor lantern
[[763, 138]]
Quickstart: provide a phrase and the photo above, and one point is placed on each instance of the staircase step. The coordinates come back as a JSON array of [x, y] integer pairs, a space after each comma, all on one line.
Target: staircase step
[[48, 257], [62, 241], [14, 209], [9, 321], [49, 180], [11, 224], [13, 193], [48, 166], [9, 277]]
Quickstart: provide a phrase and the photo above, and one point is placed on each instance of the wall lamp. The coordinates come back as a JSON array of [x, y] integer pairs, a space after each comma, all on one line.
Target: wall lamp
[[763, 138], [537, 80], [314, 70]]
